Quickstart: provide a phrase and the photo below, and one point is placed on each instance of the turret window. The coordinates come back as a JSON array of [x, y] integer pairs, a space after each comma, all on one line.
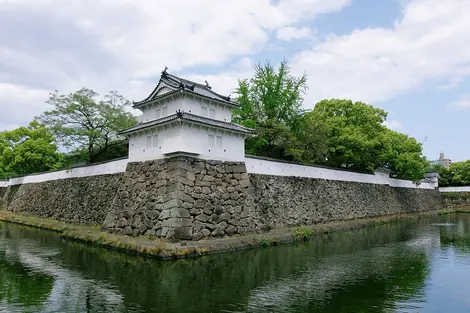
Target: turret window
[[157, 113], [164, 111], [204, 111], [211, 140]]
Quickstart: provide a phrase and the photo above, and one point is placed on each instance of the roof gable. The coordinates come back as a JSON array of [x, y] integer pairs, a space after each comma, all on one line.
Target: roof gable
[[171, 83], [163, 90]]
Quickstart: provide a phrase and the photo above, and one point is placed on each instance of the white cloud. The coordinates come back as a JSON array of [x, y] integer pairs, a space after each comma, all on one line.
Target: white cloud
[[124, 44], [289, 33], [462, 103], [226, 82], [393, 124], [19, 104], [428, 42]]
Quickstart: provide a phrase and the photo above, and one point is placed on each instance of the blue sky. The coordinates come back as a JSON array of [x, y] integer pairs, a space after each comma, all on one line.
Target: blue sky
[[411, 58]]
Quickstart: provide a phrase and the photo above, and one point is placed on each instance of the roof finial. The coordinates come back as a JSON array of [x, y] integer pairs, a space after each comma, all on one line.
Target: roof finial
[[179, 114], [164, 71], [228, 98], [207, 84]]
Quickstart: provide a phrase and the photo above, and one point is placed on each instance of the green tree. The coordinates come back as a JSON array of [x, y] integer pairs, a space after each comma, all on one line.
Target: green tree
[[310, 144], [355, 133], [87, 125], [271, 103], [404, 156], [27, 150], [460, 173], [445, 175]]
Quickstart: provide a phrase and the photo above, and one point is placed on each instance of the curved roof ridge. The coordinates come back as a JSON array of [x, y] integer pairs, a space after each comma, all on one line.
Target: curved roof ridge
[[178, 83]]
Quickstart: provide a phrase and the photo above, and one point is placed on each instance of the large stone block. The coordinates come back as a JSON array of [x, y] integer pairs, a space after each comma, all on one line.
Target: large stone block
[[184, 233], [179, 212], [173, 203], [177, 222]]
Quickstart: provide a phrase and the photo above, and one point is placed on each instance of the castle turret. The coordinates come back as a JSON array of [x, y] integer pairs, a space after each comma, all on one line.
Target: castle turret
[[182, 117]]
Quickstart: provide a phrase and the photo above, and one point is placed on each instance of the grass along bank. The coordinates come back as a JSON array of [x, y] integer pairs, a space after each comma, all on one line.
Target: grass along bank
[[165, 250]]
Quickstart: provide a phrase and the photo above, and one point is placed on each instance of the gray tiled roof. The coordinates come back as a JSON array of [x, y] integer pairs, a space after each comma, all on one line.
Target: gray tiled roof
[[192, 118], [176, 83]]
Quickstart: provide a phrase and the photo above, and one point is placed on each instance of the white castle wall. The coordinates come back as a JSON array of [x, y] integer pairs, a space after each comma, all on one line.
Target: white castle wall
[[113, 167], [253, 166], [268, 167], [455, 189], [4, 183]]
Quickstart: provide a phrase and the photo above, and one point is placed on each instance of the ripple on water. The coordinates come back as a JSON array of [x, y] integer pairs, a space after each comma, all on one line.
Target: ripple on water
[[414, 266]]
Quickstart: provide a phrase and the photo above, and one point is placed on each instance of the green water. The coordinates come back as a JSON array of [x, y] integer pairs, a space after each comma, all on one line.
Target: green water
[[410, 266]]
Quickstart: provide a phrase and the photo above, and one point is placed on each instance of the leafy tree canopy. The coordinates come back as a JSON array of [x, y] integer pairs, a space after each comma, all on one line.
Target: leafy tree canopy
[[460, 173], [271, 103], [404, 156], [336, 133], [457, 175], [355, 133], [85, 124], [27, 150]]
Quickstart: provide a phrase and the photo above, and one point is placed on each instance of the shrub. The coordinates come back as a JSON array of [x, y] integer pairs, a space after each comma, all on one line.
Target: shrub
[[302, 233]]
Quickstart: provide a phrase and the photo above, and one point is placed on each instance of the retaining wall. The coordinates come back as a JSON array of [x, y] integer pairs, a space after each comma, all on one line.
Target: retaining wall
[[83, 200], [188, 198], [294, 201]]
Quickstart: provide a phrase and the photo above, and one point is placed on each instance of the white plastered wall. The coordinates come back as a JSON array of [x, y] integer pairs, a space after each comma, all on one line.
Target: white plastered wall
[[455, 189], [113, 167], [268, 167], [223, 145]]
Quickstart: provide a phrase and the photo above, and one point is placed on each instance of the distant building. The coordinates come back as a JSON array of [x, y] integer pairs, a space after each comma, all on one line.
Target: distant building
[[446, 163]]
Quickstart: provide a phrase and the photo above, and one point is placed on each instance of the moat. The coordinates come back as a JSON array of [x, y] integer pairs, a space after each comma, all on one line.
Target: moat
[[408, 266]]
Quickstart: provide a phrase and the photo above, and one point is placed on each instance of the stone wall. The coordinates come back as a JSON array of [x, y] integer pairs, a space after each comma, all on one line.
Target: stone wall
[[3, 190], [455, 204], [84, 200], [293, 201], [190, 199], [456, 200], [182, 198], [186, 198]]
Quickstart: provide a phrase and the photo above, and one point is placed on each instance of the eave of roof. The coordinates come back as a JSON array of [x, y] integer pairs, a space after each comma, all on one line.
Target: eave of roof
[[183, 91], [190, 118], [185, 86]]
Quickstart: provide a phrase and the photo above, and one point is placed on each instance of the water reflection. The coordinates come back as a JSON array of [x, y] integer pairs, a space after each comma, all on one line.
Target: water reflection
[[390, 268], [32, 281]]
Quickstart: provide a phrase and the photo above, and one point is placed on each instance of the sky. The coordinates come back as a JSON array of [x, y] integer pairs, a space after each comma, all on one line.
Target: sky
[[410, 58]]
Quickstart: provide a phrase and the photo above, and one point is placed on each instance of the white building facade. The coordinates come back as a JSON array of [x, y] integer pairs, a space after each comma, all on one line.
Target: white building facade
[[181, 117]]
